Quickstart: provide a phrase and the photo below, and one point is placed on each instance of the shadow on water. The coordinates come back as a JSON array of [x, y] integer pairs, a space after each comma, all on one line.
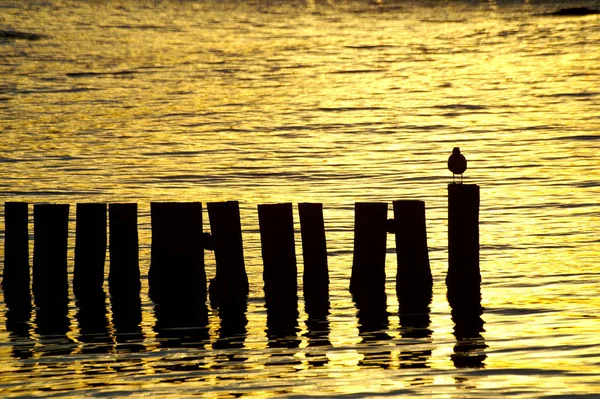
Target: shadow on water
[[414, 329], [373, 322], [469, 350]]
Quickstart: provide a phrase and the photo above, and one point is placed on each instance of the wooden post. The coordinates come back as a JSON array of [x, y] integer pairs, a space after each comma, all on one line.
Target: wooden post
[[124, 275], [463, 278], [15, 278], [177, 277], [413, 279], [229, 288], [279, 257], [367, 283], [314, 253], [90, 252], [50, 282]]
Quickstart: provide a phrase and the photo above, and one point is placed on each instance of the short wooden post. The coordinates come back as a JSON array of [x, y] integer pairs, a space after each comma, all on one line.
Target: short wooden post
[[50, 281], [16, 278], [229, 288], [314, 253], [276, 224], [124, 275], [177, 277], [367, 283], [463, 278], [90, 252], [413, 279]]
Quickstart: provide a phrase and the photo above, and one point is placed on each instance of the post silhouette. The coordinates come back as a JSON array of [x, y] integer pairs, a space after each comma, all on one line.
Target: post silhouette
[[177, 277], [367, 283], [124, 275], [229, 288], [413, 279], [16, 277], [279, 257], [50, 283], [314, 253], [90, 252], [463, 278]]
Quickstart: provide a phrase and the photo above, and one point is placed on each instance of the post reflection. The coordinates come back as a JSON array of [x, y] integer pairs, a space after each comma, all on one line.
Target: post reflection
[[469, 350], [19, 329], [127, 322], [232, 333], [318, 339], [93, 325], [177, 327], [373, 323], [52, 325], [414, 328], [282, 333]]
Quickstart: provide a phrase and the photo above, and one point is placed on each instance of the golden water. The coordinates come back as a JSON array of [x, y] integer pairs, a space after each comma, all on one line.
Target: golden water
[[334, 102]]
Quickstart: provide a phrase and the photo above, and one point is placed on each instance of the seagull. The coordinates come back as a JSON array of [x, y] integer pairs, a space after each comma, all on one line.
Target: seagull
[[457, 163]]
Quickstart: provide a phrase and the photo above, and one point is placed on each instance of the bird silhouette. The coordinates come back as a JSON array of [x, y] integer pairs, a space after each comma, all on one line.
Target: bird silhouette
[[457, 163]]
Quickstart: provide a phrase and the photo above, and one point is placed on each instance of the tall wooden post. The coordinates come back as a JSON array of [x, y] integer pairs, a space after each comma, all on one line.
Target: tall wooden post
[[314, 253], [463, 278], [16, 278], [413, 280], [367, 283], [90, 252], [124, 275], [279, 258], [177, 277], [229, 288], [50, 282]]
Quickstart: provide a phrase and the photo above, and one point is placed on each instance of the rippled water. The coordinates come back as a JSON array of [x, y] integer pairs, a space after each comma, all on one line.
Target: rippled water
[[319, 101]]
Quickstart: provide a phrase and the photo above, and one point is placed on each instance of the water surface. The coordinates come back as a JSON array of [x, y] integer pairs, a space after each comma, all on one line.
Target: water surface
[[333, 102]]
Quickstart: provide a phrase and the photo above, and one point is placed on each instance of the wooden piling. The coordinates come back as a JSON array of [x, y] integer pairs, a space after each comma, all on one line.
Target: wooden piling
[[50, 283], [314, 253], [16, 278], [124, 274], [90, 252], [276, 223], [229, 288], [367, 283], [177, 277], [413, 279], [463, 278]]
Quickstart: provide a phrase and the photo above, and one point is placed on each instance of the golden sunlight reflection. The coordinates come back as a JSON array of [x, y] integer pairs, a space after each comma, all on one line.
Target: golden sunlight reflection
[[332, 102]]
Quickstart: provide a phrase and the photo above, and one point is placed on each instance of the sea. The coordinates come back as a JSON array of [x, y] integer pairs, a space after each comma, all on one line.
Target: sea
[[334, 102]]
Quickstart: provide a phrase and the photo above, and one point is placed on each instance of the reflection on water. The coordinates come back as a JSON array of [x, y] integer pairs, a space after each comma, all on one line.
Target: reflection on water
[[336, 102]]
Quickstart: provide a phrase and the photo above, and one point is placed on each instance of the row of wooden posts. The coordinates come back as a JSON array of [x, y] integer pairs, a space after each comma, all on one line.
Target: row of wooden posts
[[177, 277]]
